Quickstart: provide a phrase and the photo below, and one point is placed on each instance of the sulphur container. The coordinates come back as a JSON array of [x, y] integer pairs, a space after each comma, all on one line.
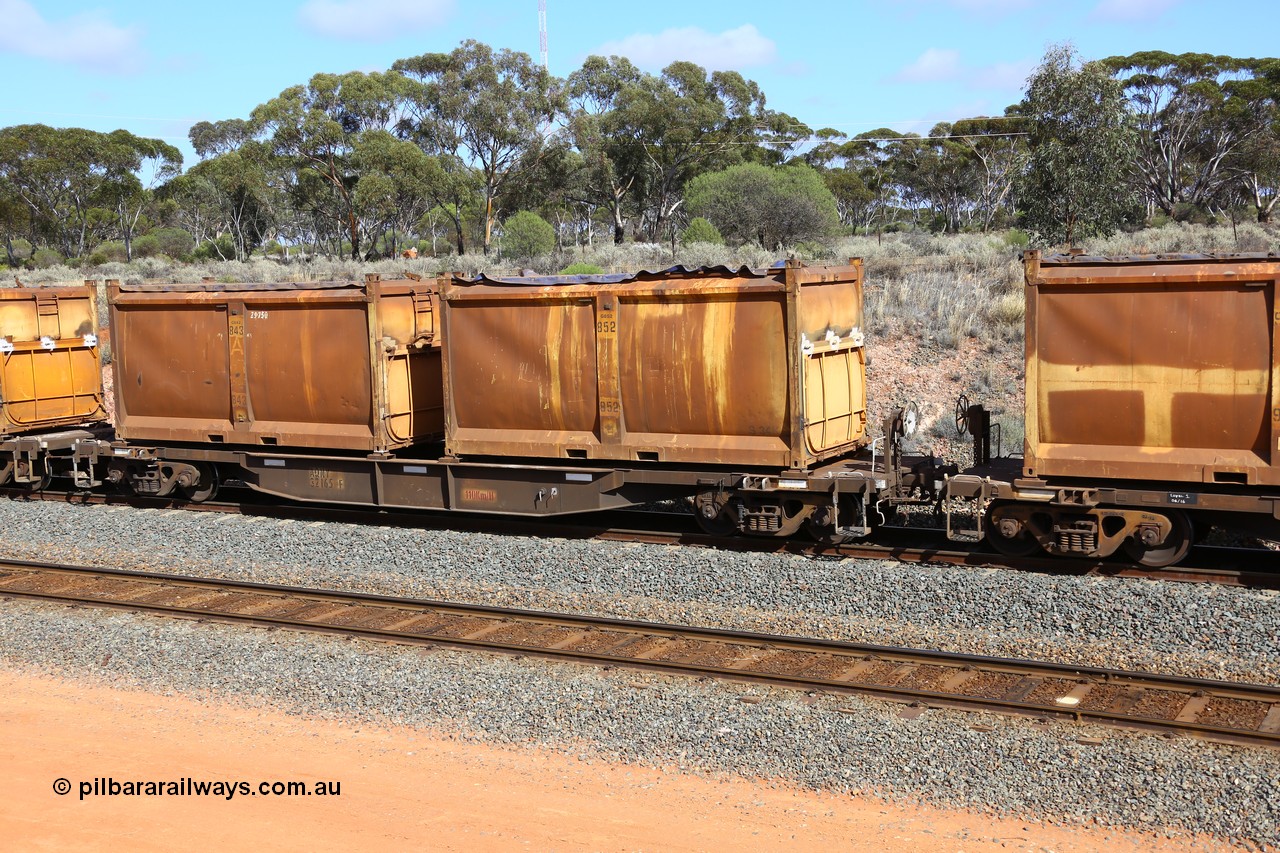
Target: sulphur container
[[705, 366], [320, 365]]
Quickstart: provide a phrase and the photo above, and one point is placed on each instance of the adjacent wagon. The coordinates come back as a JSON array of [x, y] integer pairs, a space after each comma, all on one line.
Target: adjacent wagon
[[1151, 410], [50, 376]]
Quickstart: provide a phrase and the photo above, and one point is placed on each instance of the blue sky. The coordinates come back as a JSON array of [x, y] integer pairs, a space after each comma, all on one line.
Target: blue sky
[[905, 64]]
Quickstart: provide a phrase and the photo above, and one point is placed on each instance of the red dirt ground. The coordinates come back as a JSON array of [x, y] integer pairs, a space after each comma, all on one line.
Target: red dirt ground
[[403, 788]]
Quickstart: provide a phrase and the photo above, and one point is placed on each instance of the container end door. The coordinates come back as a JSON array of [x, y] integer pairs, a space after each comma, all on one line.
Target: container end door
[[835, 397]]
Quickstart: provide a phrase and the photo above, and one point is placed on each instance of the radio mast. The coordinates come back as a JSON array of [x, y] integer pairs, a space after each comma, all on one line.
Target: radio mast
[[542, 31]]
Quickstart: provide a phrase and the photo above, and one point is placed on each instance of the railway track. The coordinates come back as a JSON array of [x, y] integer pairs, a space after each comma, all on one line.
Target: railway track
[[1212, 710], [1244, 567]]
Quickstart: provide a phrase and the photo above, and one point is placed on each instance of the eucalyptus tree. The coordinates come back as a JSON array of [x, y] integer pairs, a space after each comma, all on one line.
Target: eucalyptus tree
[[690, 122], [141, 165], [1082, 143], [75, 181], [15, 221], [997, 154], [1257, 165], [193, 205], [608, 135], [1191, 116], [937, 173], [488, 111], [1256, 161], [865, 173], [397, 183], [319, 128], [239, 185], [211, 138], [558, 188], [769, 206], [847, 186]]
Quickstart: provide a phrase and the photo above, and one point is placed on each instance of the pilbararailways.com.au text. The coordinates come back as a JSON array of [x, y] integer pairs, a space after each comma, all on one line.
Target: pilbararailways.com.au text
[[106, 786]]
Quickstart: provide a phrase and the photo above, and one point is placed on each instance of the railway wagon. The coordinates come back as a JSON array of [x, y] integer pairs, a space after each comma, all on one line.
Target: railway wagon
[[742, 390], [322, 365], [1151, 408], [50, 375], [710, 366]]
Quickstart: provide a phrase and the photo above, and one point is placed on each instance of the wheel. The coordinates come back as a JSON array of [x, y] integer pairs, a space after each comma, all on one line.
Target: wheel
[[824, 534], [207, 488], [1168, 552], [821, 524], [41, 484], [1020, 544], [37, 485], [962, 414], [721, 522]]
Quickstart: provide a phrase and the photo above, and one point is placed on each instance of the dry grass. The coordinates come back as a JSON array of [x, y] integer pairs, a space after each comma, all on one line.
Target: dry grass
[[940, 287]]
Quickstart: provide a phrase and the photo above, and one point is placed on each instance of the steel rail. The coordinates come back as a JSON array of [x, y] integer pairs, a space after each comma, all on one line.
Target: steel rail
[[1207, 709]]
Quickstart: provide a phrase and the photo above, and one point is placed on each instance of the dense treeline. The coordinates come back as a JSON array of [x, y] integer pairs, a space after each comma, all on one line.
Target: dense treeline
[[440, 153]]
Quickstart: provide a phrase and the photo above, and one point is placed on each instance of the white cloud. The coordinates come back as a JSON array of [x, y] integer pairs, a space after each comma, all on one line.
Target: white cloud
[[937, 65], [88, 40], [931, 66], [1003, 75], [1131, 10], [731, 49], [372, 20]]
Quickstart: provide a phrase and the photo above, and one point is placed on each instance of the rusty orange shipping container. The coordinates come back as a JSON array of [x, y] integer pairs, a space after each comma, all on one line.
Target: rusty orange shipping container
[[709, 366], [50, 372], [334, 365], [1159, 368]]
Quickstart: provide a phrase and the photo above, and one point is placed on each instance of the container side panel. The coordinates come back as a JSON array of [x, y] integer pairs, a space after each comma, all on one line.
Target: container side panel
[[173, 363], [1154, 367], [18, 320], [704, 366], [75, 318], [62, 387], [523, 367], [1095, 416], [1240, 421], [409, 317], [309, 363], [833, 377], [19, 386]]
